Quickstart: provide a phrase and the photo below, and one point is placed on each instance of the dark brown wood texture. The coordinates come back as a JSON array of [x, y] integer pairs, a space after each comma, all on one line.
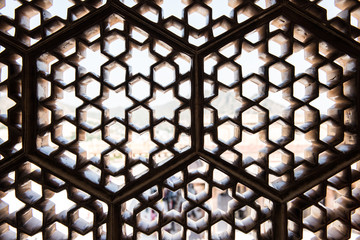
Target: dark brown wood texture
[[179, 119]]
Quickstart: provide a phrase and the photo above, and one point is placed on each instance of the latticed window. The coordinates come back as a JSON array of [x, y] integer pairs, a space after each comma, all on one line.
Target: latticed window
[[179, 119]]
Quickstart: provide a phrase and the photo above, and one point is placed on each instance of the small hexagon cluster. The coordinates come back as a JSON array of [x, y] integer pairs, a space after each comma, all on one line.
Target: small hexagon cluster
[[277, 102], [199, 202], [31, 21], [10, 107], [330, 210], [343, 16], [197, 22], [37, 205], [114, 103]]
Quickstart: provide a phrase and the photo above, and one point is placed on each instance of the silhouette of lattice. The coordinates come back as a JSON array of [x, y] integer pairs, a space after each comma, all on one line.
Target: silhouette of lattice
[[10, 107], [343, 16], [114, 122], [189, 119], [31, 21], [198, 21], [190, 205], [329, 210], [279, 103], [37, 204]]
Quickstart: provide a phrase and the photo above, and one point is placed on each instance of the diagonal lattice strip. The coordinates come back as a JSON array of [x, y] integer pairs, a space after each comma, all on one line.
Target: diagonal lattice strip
[[114, 103], [198, 21], [37, 205], [279, 103], [199, 202], [343, 16]]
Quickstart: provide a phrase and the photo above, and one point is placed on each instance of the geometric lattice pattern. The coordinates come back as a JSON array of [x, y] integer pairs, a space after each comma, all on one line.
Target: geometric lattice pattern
[[31, 21], [11, 65], [329, 210], [37, 205], [198, 22], [197, 203], [342, 16], [111, 123], [279, 102], [179, 119]]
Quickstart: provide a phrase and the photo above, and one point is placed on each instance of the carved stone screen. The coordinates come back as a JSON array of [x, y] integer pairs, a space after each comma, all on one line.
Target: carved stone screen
[[179, 119]]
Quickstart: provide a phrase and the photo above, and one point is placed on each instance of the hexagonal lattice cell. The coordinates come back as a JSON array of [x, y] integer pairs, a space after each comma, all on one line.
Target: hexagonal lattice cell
[[44, 205], [323, 206], [293, 100], [199, 22], [33, 21], [113, 116], [184, 206], [10, 107]]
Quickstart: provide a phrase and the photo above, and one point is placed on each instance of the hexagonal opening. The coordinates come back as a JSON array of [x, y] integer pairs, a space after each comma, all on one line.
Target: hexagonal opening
[[32, 220], [278, 45], [32, 191], [228, 132], [279, 161], [330, 74], [197, 190], [221, 230], [330, 132], [90, 117], [164, 132], [198, 16], [279, 74], [114, 161], [245, 218], [65, 132], [279, 132], [89, 88], [147, 220], [114, 44], [253, 118], [220, 178], [228, 74], [164, 74], [115, 132], [114, 74], [82, 219], [305, 117], [253, 88], [139, 88], [64, 74], [139, 118], [314, 217]]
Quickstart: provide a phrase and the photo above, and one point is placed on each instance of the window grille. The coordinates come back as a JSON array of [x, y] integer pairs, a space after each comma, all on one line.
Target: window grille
[[179, 119]]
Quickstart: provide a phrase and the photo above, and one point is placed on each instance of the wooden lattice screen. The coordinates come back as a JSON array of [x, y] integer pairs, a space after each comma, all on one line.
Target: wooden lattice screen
[[179, 119]]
